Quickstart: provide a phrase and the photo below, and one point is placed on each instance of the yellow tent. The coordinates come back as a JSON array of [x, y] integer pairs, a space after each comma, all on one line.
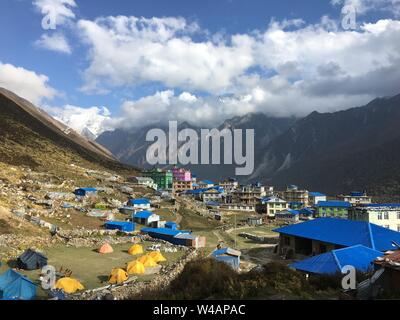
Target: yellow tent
[[117, 276], [69, 285], [135, 267], [157, 256], [135, 250], [147, 261]]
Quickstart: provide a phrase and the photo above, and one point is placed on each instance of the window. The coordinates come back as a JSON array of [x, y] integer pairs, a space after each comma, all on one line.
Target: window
[[386, 215], [387, 227], [398, 215], [286, 241], [398, 227], [380, 216]]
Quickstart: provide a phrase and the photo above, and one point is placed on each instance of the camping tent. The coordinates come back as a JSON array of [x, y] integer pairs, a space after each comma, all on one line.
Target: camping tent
[[157, 256], [69, 285], [31, 260], [135, 267], [106, 248], [147, 261], [135, 250], [14, 286], [117, 276]]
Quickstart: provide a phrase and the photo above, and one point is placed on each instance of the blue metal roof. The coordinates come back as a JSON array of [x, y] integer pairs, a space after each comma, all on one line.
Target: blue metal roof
[[360, 257], [164, 231], [207, 182], [344, 232], [288, 211], [333, 204], [307, 211], [117, 223], [139, 201], [87, 189], [316, 194], [143, 214], [356, 194]]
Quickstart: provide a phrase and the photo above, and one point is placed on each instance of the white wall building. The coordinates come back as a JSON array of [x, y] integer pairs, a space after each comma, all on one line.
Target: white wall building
[[384, 215]]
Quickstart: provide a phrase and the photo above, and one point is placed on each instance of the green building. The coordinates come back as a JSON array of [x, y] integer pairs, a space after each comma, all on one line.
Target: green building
[[330, 209], [163, 178]]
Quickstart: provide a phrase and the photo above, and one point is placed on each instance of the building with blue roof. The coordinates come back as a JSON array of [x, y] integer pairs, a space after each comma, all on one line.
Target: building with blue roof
[[326, 234], [83, 192], [288, 215], [338, 209], [356, 198], [171, 235], [229, 256], [146, 218], [205, 184], [359, 256], [142, 204], [120, 225], [315, 197], [271, 205]]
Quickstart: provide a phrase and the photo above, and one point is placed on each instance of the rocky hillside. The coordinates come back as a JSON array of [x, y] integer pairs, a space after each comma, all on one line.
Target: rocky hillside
[[31, 138]]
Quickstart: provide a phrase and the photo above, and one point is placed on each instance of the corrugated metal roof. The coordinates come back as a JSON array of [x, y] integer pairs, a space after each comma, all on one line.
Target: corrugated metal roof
[[344, 232], [316, 194], [139, 201], [360, 257], [333, 204], [164, 231], [143, 214]]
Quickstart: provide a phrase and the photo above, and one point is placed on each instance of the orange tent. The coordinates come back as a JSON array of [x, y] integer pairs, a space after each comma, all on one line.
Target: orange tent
[[106, 248]]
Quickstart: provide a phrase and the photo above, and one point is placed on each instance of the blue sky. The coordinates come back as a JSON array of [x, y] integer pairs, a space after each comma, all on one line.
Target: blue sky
[[200, 61]]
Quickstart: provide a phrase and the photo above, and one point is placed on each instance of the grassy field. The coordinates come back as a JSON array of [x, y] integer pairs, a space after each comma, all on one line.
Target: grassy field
[[88, 266]]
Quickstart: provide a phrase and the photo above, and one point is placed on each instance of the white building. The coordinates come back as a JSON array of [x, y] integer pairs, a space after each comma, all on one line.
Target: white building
[[143, 181], [315, 197], [356, 198], [384, 215], [271, 205]]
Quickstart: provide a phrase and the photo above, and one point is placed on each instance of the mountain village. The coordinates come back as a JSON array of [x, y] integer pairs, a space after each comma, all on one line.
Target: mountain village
[[112, 236]]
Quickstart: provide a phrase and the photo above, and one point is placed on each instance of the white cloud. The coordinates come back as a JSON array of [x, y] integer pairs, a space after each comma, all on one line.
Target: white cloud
[[364, 6], [28, 84], [56, 42], [94, 118], [61, 9], [310, 68], [143, 50]]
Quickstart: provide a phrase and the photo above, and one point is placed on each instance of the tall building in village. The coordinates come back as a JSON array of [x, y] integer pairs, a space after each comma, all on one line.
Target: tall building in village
[[182, 180], [229, 185], [294, 195], [163, 178], [356, 198], [384, 215], [248, 195], [180, 174]]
